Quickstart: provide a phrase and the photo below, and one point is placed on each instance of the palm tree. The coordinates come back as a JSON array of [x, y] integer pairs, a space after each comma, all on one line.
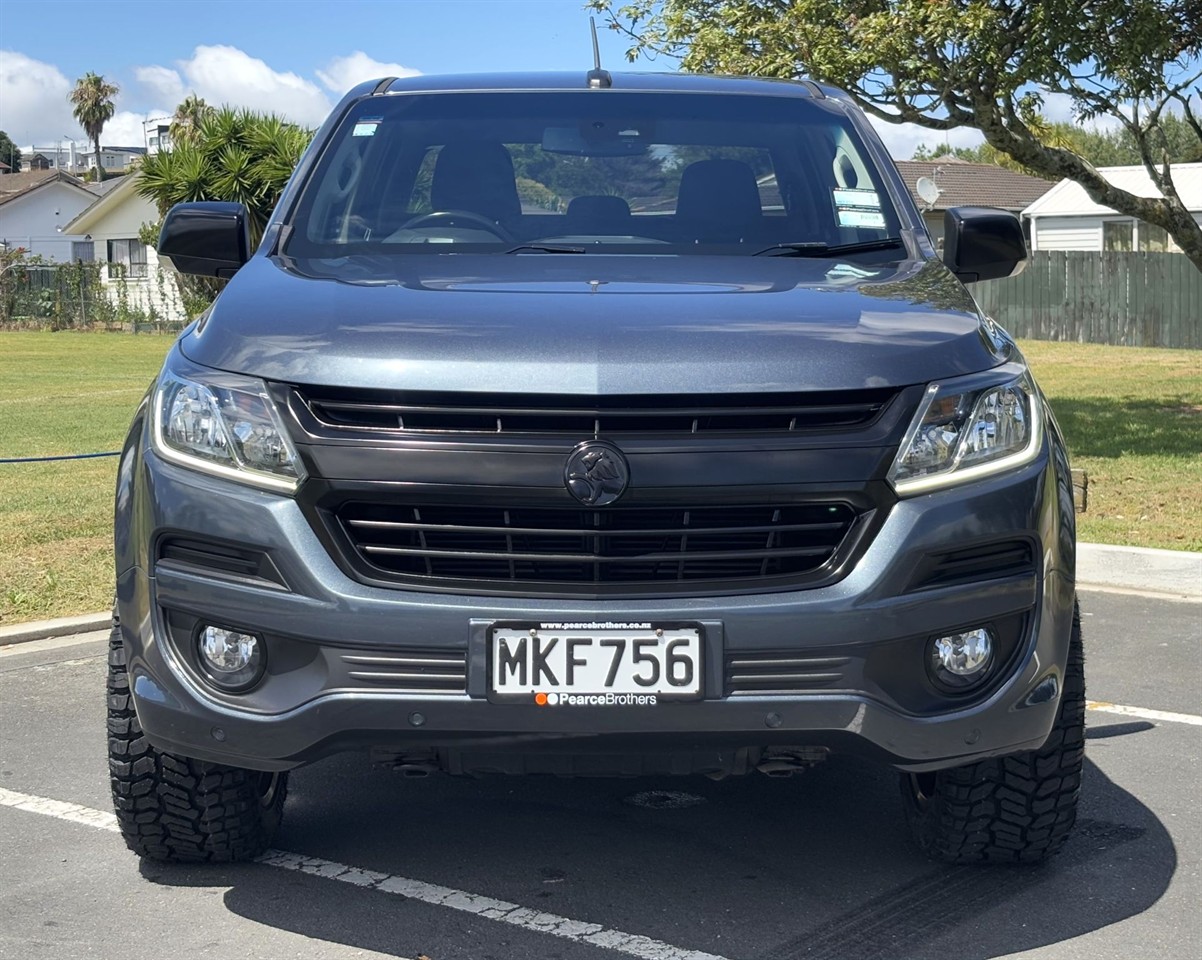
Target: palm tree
[[93, 99], [232, 155], [187, 117]]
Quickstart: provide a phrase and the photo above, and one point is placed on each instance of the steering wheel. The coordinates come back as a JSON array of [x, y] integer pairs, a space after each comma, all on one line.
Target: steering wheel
[[476, 219]]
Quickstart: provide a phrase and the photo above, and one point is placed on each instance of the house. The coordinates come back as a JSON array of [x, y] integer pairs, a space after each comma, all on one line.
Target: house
[[157, 134], [113, 159], [1065, 218], [36, 208], [964, 184], [129, 268]]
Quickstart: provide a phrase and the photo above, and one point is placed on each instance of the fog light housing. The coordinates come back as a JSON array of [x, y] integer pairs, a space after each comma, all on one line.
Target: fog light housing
[[230, 660], [960, 661]]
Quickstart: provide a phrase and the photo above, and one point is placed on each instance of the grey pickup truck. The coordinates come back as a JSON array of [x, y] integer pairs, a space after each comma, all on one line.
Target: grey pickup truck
[[595, 425]]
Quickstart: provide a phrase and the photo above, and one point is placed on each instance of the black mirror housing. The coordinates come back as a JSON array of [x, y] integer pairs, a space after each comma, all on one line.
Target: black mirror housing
[[209, 239], [983, 243]]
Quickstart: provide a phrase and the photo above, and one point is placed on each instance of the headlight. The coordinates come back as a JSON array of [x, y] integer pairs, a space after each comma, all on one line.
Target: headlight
[[224, 424], [968, 428]]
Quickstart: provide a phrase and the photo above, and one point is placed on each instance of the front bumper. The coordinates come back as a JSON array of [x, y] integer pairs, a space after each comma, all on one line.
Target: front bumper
[[307, 710]]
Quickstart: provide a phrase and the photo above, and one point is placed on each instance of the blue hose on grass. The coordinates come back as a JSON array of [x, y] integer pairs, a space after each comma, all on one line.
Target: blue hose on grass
[[70, 456]]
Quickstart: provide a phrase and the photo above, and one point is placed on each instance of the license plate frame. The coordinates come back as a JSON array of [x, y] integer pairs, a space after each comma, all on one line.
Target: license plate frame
[[663, 633]]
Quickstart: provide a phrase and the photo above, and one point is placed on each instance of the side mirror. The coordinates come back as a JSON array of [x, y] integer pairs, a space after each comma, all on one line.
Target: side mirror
[[982, 243], [209, 239]]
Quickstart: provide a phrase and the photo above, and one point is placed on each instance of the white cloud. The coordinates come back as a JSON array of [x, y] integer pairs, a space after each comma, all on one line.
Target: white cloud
[[162, 82], [902, 139], [342, 73], [226, 75], [33, 95], [126, 130]]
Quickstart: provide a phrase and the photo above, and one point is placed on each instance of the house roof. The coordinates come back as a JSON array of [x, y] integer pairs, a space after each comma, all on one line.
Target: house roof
[[101, 187], [132, 151], [86, 220], [973, 184], [16, 185], [1069, 199]]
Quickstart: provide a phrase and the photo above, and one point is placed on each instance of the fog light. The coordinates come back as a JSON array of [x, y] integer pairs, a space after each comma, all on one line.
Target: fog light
[[232, 660], [962, 660]]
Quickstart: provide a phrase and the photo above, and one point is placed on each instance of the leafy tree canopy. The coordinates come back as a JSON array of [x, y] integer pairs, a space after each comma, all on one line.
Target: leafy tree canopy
[[985, 64], [1103, 148], [9, 153]]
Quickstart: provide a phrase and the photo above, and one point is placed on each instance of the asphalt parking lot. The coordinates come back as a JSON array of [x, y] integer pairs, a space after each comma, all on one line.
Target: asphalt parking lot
[[370, 864]]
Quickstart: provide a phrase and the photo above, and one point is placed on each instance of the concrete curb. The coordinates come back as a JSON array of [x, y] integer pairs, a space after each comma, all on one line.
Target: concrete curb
[[64, 627], [1170, 573]]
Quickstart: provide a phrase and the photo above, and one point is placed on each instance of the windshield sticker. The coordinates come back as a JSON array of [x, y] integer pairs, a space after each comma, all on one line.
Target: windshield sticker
[[857, 198], [868, 219], [366, 127]]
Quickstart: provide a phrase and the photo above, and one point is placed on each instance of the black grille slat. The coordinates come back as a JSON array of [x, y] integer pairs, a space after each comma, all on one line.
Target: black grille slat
[[978, 562], [774, 672], [770, 528], [595, 557], [552, 415], [425, 671], [606, 546]]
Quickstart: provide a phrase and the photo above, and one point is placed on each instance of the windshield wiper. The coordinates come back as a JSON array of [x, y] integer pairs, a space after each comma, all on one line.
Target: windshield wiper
[[826, 250], [544, 248]]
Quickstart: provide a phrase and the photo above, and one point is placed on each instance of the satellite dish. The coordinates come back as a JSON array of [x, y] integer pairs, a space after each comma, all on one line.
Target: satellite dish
[[928, 190]]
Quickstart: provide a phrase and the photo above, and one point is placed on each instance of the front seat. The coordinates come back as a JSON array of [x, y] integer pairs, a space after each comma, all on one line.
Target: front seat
[[476, 175], [718, 202]]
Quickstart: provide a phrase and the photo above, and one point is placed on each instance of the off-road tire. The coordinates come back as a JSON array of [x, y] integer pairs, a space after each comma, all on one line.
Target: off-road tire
[[179, 809], [1015, 809]]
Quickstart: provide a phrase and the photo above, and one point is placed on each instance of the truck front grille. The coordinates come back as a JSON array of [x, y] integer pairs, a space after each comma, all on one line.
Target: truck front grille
[[553, 415], [530, 547]]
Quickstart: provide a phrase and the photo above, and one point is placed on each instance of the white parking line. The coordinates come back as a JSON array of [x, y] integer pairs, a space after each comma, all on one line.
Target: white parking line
[[578, 931], [1104, 707]]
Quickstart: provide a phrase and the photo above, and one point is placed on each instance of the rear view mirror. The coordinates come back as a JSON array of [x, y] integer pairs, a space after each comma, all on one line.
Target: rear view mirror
[[597, 138], [209, 239], [983, 243]]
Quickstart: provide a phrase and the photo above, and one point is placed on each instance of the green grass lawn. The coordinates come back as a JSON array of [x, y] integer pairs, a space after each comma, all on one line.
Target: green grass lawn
[[64, 393], [1133, 419]]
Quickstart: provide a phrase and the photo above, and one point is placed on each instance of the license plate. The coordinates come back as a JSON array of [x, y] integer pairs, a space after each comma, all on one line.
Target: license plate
[[594, 664]]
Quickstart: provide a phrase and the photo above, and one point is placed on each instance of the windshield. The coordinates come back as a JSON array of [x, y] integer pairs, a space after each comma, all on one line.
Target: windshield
[[590, 172]]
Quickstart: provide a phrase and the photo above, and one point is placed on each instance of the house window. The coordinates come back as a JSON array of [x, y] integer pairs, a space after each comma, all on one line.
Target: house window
[[1117, 235], [1153, 239], [83, 250], [129, 256]]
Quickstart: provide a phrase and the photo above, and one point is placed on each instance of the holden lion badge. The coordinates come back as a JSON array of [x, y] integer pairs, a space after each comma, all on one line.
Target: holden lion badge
[[596, 473]]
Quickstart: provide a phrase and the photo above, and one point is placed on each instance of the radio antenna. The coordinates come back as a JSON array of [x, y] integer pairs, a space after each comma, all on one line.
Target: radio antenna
[[597, 77]]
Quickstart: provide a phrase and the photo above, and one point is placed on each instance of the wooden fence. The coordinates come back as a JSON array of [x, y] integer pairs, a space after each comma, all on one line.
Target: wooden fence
[[1129, 299]]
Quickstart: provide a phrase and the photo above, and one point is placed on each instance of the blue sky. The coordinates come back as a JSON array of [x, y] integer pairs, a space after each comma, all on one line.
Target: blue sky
[[295, 57]]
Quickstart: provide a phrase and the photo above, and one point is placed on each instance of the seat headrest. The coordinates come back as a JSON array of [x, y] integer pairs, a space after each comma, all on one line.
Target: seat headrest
[[718, 198], [475, 176], [598, 214]]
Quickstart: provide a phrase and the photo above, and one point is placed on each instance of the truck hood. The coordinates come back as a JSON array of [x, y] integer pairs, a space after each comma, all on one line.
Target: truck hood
[[593, 324]]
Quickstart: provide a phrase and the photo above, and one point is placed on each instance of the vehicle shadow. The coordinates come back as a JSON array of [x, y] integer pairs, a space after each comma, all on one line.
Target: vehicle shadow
[[1111, 427], [815, 867]]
